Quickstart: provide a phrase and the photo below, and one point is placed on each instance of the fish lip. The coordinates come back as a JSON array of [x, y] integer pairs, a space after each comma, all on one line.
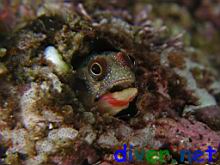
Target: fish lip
[[125, 83]]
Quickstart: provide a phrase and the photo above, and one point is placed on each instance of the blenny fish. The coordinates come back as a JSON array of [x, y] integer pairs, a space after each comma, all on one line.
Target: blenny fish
[[106, 80]]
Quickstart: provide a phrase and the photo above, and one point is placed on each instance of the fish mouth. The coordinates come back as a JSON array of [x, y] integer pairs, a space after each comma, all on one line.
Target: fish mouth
[[118, 97], [116, 86]]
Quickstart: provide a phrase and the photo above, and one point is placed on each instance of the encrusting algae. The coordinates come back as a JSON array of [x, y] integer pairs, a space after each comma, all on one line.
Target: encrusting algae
[[79, 78]]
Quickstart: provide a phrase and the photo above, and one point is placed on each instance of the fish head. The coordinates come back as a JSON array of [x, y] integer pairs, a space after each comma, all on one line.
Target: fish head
[[107, 80]]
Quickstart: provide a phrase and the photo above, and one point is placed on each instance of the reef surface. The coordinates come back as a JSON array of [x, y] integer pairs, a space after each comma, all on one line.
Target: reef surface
[[176, 51]]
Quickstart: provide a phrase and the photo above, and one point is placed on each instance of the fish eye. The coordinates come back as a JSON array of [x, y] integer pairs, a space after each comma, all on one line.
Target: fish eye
[[97, 68]]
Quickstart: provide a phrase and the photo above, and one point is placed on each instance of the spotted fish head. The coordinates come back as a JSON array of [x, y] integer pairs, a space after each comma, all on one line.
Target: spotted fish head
[[106, 79]]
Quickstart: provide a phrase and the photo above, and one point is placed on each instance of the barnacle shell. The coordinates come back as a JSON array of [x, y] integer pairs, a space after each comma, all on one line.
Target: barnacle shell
[[52, 55], [113, 103]]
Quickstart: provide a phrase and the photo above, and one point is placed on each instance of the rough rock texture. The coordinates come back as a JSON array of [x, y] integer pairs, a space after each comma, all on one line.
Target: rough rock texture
[[177, 107]]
